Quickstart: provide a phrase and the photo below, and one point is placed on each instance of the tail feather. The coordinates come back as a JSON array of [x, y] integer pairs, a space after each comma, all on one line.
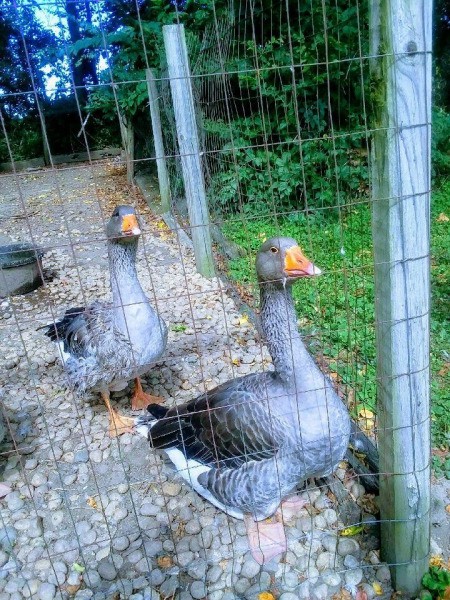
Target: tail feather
[[57, 331]]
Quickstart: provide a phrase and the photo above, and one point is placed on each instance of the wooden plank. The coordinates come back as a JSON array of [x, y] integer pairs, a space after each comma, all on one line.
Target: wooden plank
[[163, 176], [189, 147], [401, 82]]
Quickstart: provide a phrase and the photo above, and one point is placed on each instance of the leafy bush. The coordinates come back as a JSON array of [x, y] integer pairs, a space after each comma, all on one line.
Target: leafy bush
[[437, 581], [440, 143]]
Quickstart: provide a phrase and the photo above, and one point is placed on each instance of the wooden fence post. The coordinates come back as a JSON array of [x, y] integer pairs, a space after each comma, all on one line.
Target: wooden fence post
[[401, 77], [163, 177], [194, 185]]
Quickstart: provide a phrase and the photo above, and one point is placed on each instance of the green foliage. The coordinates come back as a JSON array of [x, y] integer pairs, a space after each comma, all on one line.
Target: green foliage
[[24, 137], [440, 143], [437, 581]]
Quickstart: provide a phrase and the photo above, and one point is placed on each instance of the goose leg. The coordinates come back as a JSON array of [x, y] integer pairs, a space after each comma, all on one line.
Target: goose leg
[[290, 508], [141, 399], [266, 538], [117, 423]]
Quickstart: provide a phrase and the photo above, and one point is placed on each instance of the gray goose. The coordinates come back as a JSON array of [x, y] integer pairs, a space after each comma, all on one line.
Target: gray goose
[[104, 345], [248, 444]]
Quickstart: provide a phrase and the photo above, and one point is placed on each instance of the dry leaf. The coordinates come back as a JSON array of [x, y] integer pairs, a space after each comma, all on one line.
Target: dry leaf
[[447, 508], [377, 588], [92, 502], [164, 562], [266, 596], [442, 218], [243, 321], [236, 362], [436, 560], [365, 413]]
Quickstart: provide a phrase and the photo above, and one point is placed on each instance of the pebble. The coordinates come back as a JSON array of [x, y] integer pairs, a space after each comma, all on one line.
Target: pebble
[[38, 479], [351, 562], [347, 546], [171, 488], [383, 573], [250, 568], [288, 596], [14, 501], [169, 587], [120, 543], [8, 537], [331, 578], [107, 570], [3, 558], [47, 591], [353, 577], [197, 569], [198, 590], [81, 456]]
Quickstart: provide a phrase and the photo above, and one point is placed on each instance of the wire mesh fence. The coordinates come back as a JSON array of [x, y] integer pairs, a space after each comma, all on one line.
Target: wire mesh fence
[[282, 105]]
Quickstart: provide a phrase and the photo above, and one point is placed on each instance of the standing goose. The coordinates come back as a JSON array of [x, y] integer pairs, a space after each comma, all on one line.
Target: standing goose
[[246, 445], [105, 345]]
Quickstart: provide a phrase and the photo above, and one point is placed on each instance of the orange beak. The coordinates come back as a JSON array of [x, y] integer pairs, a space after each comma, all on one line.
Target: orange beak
[[297, 265], [130, 225]]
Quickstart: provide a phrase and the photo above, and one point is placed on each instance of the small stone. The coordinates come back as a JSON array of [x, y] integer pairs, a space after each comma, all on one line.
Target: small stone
[[149, 510], [325, 560], [214, 574], [35, 529], [47, 591], [107, 570], [30, 464], [383, 573], [169, 587], [288, 596], [330, 516], [290, 580], [198, 590], [329, 542], [83, 595], [347, 546], [250, 568], [38, 479], [357, 490], [30, 588], [151, 594], [8, 536], [3, 558], [197, 569], [156, 577], [121, 543], [14, 501], [331, 578], [81, 456], [351, 562], [374, 557], [123, 488], [192, 527], [185, 558], [241, 585], [171, 488], [353, 577], [321, 592]]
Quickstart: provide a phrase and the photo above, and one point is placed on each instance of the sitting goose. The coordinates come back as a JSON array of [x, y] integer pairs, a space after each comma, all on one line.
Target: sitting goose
[[105, 345], [246, 445]]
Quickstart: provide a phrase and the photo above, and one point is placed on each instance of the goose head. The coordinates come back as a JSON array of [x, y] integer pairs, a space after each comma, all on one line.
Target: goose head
[[123, 226], [280, 260]]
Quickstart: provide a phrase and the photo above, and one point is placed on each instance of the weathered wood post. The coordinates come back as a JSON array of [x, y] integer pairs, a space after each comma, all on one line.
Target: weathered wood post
[[194, 185], [163, 177], [401, 77]]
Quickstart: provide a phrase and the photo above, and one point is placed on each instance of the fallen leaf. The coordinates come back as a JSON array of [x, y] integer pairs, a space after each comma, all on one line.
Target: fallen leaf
[[243, 321], [354, 530], [447, 508], [343, 594], [266, 596], [78, 568], [442, 218], [92, 502], [365, 413], [164, 562], [377, 588], [236, 362], [4, 490]]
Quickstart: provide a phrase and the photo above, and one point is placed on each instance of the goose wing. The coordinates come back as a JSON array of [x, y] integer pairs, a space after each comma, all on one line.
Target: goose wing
[[227, 427]]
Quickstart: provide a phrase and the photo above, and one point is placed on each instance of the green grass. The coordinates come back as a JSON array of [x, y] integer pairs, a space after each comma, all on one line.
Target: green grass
[[336, 311]]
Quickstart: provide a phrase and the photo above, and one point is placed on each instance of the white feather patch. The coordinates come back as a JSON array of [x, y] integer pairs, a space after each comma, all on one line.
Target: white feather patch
[[64, 355], [190, 471], [143, 427]]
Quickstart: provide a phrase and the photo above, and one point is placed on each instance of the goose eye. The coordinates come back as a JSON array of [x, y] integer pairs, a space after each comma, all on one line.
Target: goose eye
[[274, 250]]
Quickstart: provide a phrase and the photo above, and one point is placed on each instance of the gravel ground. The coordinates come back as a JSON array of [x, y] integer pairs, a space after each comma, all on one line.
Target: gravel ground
[[90, 517]]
